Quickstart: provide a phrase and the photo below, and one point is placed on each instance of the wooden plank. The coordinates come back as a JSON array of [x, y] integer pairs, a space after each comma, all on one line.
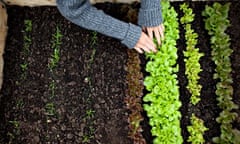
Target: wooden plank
[[33, 3], [3, 34]]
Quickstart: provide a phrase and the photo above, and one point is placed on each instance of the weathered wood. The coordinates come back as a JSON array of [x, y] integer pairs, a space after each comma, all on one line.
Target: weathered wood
[[3, 34], [33, 3]]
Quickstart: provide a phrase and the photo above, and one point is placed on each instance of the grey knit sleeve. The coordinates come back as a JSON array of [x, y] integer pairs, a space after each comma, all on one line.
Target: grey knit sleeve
[[83, 14], [150, 13]]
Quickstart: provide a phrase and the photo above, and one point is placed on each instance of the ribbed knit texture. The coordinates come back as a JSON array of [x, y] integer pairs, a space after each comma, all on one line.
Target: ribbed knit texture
[[150, 13], [83, 14]]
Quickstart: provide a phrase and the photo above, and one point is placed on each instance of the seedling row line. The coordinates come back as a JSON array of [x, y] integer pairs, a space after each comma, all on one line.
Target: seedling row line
[[53, 63], [90, 113]]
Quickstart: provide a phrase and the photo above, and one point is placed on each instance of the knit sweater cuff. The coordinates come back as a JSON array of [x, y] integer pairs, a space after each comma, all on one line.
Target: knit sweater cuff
[[150, 18], [132, 36], [150, 4]]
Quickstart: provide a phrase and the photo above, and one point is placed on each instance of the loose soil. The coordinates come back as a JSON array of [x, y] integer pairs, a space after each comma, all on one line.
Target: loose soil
[[90, 87]]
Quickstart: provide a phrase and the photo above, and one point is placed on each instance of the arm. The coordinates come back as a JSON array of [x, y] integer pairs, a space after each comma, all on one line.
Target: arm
[[83, 14], [150, 19], [150, 13]]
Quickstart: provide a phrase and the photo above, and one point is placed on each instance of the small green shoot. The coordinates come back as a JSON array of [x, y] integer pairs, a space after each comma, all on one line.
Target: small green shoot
[[52, 88], [90, 113], [50, 109], [24, 66], [27, 41], [56, 43]]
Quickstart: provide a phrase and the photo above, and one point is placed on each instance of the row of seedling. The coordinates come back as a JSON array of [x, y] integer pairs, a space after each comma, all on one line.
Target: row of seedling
[[162, 102], [133, 97], [216, 23], [193, 68], [27, 41], [53, 63], [90, 112]]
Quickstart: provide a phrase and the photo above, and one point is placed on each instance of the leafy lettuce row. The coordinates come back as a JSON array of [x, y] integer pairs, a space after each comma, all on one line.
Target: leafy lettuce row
[[216, 23], [162, 102], [192, 55], [196, 130], [193, 68], [133, 97]]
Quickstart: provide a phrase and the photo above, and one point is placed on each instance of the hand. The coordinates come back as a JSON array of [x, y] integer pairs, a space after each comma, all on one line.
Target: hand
[[145, 44], [157, 31]]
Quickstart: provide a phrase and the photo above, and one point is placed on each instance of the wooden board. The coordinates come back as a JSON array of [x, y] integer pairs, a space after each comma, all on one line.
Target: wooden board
[[33, 3], [3, 34]]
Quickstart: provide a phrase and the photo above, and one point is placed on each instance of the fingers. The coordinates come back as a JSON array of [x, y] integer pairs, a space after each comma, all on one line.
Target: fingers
[[138, 50], [157, 32], [145, 44], [157, 36], [144, 29], [150, 32], [161, 29]]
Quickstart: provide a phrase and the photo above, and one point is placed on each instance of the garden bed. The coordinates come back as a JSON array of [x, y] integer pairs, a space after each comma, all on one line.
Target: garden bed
[[81, 99]]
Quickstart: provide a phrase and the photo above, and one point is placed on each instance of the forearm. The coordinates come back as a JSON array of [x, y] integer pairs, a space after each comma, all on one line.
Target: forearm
[[150, 13], [83, 14]]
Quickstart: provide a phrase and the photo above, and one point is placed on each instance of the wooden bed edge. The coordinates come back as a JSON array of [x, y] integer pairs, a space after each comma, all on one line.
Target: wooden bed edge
[[3, 35]]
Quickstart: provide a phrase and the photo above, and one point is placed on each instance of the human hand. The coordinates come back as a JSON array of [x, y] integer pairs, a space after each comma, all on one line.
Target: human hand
[[157, 31], [145, 44]]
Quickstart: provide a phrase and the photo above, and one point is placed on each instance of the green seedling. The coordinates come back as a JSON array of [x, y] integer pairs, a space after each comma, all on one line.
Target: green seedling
[[90, 113], [52, 87], [86, 138], [28, 25], [56, 43], [20, 103], [24, 67], [26, 36], [16, 126], [50, 109], [27, 41]]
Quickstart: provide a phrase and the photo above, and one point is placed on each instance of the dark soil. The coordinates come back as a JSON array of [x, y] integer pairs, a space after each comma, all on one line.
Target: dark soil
[[90, 87], [82, 84]]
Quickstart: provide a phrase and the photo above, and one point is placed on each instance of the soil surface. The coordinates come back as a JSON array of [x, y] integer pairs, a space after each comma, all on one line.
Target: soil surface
[[90, 80]]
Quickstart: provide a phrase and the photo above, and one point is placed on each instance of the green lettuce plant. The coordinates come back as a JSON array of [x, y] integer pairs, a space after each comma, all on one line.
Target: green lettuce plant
[[192, 54], [216, 23], [193, 68], [162, 102], [196, 130]]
